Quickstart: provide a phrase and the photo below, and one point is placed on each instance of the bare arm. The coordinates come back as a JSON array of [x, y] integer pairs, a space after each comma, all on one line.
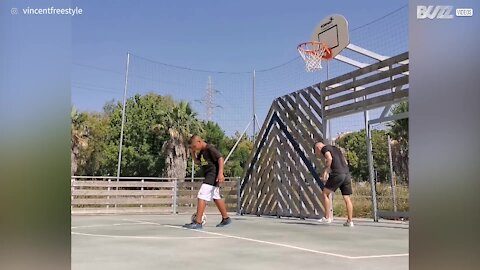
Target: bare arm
[[194, 156], [220, 177], [328, 163]]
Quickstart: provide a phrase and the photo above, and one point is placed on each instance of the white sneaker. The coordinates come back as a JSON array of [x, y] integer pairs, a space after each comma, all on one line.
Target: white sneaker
[[348, 224], [324, 220]]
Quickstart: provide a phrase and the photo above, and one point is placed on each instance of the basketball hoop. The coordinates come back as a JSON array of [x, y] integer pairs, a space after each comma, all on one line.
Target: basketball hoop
[[313, 52]]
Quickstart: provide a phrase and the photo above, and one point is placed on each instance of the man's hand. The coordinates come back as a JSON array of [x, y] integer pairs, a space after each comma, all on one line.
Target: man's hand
[[194, 156], [220, 178], [325, 176]]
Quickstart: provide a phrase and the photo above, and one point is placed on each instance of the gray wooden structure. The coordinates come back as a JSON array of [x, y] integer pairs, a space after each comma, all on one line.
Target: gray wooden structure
[[281, 177]]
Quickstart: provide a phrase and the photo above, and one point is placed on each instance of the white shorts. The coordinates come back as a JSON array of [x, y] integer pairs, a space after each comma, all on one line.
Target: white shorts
[[209, 192]]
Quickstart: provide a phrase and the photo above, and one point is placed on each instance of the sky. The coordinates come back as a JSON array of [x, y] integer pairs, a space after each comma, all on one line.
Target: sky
[[228, 36]]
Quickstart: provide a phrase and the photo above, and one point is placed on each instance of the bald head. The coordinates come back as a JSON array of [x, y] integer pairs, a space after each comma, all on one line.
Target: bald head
[[196, 143], [318, 148]]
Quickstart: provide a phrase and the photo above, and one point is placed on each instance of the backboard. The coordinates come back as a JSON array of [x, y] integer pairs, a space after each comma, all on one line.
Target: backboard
[[333, 31]]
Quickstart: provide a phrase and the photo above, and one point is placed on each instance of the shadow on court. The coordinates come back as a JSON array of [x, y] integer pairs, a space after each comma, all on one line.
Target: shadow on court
[[159, 242]]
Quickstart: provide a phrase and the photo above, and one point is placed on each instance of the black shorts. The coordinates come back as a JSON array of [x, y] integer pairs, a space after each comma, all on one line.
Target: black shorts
[[340, 180]]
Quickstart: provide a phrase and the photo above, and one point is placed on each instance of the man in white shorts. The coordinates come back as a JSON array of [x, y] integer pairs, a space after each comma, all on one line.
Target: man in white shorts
[[210, 188]]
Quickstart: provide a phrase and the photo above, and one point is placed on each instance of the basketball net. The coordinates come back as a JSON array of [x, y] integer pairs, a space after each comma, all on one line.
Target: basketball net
[[313, 53]]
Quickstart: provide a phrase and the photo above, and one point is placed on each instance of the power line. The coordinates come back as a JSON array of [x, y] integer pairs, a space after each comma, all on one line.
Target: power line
[[93, 89]]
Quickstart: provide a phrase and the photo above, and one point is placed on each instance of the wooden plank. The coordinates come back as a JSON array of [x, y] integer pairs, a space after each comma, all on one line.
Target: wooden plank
[[313, 119], [114, 184], [121, 210], [376, 66], [367, 80], [293, 198], [368, 91], [297, 180], [96, 192], [300, 168], [315, 188], [263, 191], [256, 145], [300, 140], [271, 208], [256, 177], [269, 197], [315, 107], [281, 199], [183, 200], [316, 94], [293, 129], [197, 185], [306, 122], [117, 200], [260, 181], [298, 129], [264, 176], [368, 104], [264, 155]]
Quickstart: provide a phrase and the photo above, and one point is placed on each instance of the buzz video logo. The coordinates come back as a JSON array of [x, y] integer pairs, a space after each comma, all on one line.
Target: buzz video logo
[[434, 12], [442, 12]]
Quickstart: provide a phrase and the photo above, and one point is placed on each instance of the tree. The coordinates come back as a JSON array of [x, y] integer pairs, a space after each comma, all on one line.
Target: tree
[[154, 143], [355, 145], [97, 126], [238, 159], [142, 147], [178, 124], [79, 138]]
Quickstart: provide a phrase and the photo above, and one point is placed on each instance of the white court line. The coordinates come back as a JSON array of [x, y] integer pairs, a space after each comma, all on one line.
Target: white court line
[[148, 237], [109, 225], [380, 256], [279, 244]]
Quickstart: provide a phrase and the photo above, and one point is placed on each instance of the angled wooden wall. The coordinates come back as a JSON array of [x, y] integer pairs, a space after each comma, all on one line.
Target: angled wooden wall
[[281, 177]]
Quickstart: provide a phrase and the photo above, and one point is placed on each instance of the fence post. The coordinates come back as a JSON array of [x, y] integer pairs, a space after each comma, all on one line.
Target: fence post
[[72, 189], [141, 197], [108, 189], [392, 183], [239, 210], [174, 201]]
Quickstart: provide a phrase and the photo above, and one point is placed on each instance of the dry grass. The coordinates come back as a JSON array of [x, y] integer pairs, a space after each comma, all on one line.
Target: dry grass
[[362, 200]]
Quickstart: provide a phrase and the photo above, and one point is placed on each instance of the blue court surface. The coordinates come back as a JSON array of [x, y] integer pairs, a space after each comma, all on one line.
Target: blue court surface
[[159, 242]]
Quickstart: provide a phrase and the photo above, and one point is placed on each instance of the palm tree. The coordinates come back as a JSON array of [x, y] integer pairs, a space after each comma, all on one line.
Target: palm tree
[[79, 139], [398, 130], [178, 125]]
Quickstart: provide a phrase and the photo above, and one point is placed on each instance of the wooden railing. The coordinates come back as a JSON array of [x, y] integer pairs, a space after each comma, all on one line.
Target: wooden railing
[[109, 195]]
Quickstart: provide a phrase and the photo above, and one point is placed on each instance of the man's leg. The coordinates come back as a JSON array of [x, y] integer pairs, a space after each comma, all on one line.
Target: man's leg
[[326, 202], [201, 204], [221, 207], [346, 189], [349, 205]]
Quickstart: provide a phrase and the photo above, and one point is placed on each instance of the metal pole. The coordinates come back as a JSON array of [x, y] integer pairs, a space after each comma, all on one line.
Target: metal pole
[[238, 141], [123, 119], [329, 140], [193, 168], [192, 178], [253, 105], [370, 168], [174, 202], [392, 183]]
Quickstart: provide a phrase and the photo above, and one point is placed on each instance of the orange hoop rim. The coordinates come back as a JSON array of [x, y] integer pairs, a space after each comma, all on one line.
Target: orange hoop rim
[[313, 48]]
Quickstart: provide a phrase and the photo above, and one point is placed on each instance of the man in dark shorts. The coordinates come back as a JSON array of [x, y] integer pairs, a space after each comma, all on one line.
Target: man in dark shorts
[[210, 189], [338, 175]]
